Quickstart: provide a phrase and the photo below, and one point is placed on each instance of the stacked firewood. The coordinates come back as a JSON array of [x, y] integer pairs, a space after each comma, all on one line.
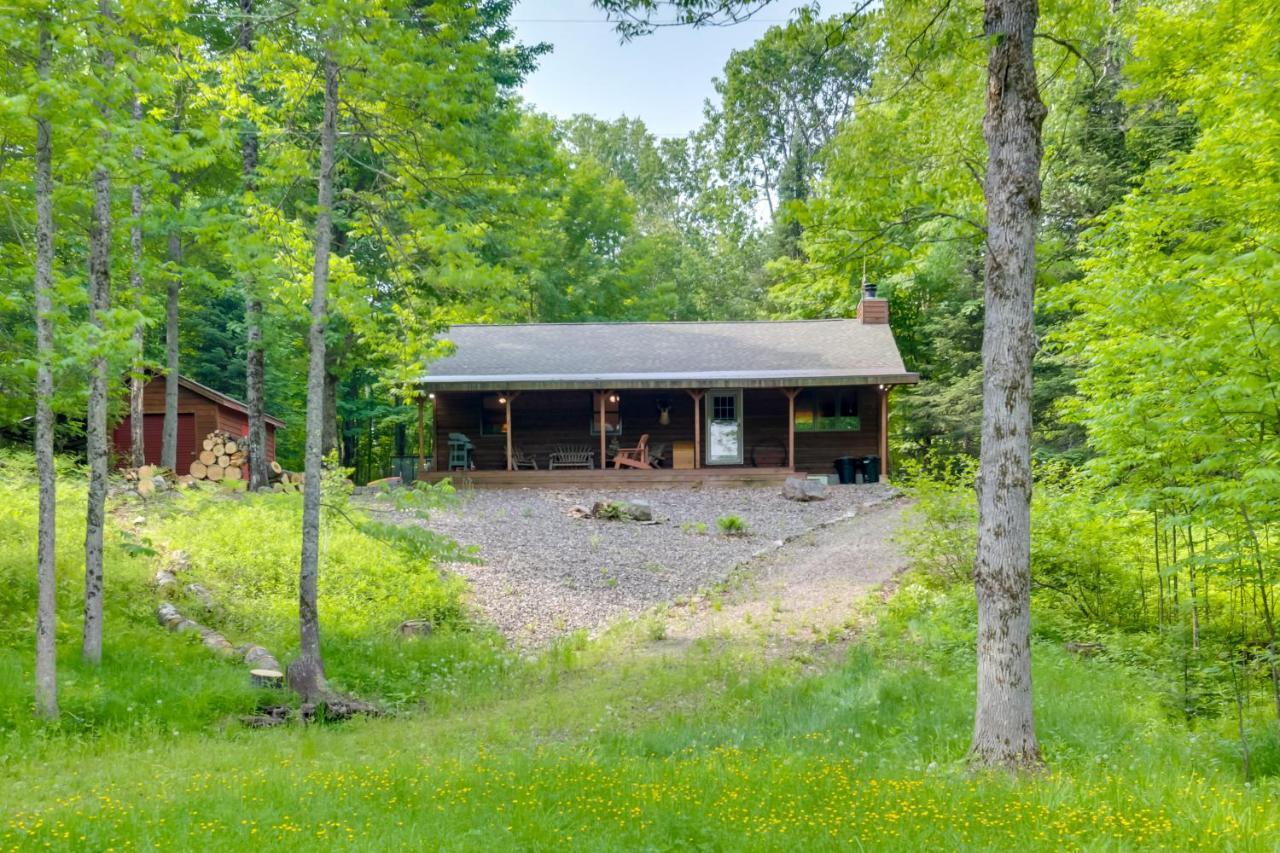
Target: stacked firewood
[[221, 458]]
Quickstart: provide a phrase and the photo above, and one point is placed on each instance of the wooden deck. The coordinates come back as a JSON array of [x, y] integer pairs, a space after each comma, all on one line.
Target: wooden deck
[[609, 478]]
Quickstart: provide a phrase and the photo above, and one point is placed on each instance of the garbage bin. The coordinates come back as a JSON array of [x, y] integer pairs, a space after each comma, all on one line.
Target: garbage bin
[[846, 466], [871, 465]]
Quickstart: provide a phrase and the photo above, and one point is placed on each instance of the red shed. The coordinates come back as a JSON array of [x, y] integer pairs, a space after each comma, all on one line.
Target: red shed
[[201, 410]]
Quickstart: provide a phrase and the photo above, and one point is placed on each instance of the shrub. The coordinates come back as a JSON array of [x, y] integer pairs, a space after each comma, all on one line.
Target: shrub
[[732, 525]]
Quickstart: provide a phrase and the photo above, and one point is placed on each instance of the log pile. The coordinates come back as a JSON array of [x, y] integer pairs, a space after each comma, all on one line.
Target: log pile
[[149, 479], [285, 481], [221, 458]]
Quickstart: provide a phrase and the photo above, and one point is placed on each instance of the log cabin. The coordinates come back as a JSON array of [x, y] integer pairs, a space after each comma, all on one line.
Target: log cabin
[[201, 410], [662, 403]]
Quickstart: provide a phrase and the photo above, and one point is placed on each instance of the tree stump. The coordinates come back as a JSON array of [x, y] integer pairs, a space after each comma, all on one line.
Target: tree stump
[[267, 678]]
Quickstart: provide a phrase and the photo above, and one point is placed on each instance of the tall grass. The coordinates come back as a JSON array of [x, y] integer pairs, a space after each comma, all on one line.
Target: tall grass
[[591, 745]]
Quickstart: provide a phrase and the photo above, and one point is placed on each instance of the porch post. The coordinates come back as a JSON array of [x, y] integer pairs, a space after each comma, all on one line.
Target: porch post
[[791, 426], [510, 397], [697, 427], [508, 405], [884, 431], [422, 440], [603, 444]]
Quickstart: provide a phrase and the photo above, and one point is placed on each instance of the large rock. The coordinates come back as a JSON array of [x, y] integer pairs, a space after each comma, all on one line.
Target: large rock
[[623, 510], [415, 628], [801, 489]]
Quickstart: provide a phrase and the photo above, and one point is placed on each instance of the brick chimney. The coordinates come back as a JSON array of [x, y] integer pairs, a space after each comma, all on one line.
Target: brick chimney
[[872, 309]]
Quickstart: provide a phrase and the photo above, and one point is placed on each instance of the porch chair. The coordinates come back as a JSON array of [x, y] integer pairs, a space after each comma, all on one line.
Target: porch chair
[[633, 457], [571, 456], [658, 455], [520, 459]]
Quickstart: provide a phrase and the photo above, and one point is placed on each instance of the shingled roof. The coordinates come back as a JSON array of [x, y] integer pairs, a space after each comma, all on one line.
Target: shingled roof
[[669, 355]]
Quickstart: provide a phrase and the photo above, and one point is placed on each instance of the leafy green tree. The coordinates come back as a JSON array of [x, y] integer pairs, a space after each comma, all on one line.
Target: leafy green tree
[[1174, 327], [783, 98]]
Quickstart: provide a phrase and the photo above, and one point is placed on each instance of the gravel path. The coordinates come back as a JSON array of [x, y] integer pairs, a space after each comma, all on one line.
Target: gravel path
[[544, 573], [805, 592]]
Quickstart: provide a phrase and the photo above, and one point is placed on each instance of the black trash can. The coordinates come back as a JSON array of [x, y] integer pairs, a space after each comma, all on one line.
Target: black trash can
[[846, 466], [871, 465]]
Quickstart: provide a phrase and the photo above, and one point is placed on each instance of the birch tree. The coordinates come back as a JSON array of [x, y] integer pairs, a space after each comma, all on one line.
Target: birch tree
[[100, 232], [306, 674], [46, 553]]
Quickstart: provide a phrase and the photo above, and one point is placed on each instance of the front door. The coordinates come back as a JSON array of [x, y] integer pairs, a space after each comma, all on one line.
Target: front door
[[724, 428]]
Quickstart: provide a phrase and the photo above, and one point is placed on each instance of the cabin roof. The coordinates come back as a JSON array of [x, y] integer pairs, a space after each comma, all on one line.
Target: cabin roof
[[674, 354]]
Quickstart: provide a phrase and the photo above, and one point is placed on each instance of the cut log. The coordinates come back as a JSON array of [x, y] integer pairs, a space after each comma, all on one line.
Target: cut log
[[146, 472], [146, 487], [232, 473], [199, 470], [207, 457], [230, 447], [214, 473], [207, 444], [224, 460], [275, 467], [266, 677], [218, 448]]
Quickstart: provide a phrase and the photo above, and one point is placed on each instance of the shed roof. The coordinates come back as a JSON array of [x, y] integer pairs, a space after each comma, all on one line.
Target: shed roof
[[222, 399], [678, 354]]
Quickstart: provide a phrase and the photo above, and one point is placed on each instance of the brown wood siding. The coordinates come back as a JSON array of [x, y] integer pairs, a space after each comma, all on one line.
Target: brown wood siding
[[543, 419], [196, 413]]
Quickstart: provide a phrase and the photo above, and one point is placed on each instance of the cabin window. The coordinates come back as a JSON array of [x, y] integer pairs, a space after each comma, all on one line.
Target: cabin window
[[612, 416], [827, 410], [493, 415]]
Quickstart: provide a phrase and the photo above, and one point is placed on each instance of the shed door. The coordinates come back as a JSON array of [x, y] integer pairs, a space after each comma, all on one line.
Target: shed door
[[724, 427]]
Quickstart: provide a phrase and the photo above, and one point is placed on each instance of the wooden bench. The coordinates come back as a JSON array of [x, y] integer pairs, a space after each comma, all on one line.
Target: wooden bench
[[571, 456]]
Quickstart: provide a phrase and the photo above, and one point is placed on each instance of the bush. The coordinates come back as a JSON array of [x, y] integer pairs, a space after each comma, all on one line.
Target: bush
[[732, 525], [940, 532], [246, 549]]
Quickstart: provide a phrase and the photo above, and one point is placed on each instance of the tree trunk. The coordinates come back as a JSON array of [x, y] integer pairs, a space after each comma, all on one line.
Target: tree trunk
[[306, 674], [259, 472], [1004, 726], [329, 437], [46, 567], [138, 381], [96, 421], [169, 440]]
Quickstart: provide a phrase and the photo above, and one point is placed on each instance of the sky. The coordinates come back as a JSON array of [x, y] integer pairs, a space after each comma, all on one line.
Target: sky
[[661, 78]]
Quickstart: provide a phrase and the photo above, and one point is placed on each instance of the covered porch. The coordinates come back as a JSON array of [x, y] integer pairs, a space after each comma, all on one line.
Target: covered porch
[[730, 435]]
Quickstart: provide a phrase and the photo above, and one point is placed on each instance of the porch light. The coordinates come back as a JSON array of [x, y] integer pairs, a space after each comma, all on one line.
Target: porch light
[[431, 396], [502, 400], [613, 398]]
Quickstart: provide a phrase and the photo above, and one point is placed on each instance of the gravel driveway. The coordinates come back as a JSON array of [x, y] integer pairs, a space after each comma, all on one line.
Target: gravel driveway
[[545, 573]]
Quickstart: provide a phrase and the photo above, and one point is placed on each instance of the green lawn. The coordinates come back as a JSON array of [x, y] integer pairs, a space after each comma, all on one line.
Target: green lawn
[[627, 742]]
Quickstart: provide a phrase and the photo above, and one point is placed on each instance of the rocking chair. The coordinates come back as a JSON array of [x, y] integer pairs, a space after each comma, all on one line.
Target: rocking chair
[[633, 457]]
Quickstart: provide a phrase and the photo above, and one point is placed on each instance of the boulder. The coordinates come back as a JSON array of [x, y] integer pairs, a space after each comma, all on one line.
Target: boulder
[[801, 489], [414, 628], [201, 594], [623, 510], [638, 510], [168, 615], [215, 642], [258, 658]]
